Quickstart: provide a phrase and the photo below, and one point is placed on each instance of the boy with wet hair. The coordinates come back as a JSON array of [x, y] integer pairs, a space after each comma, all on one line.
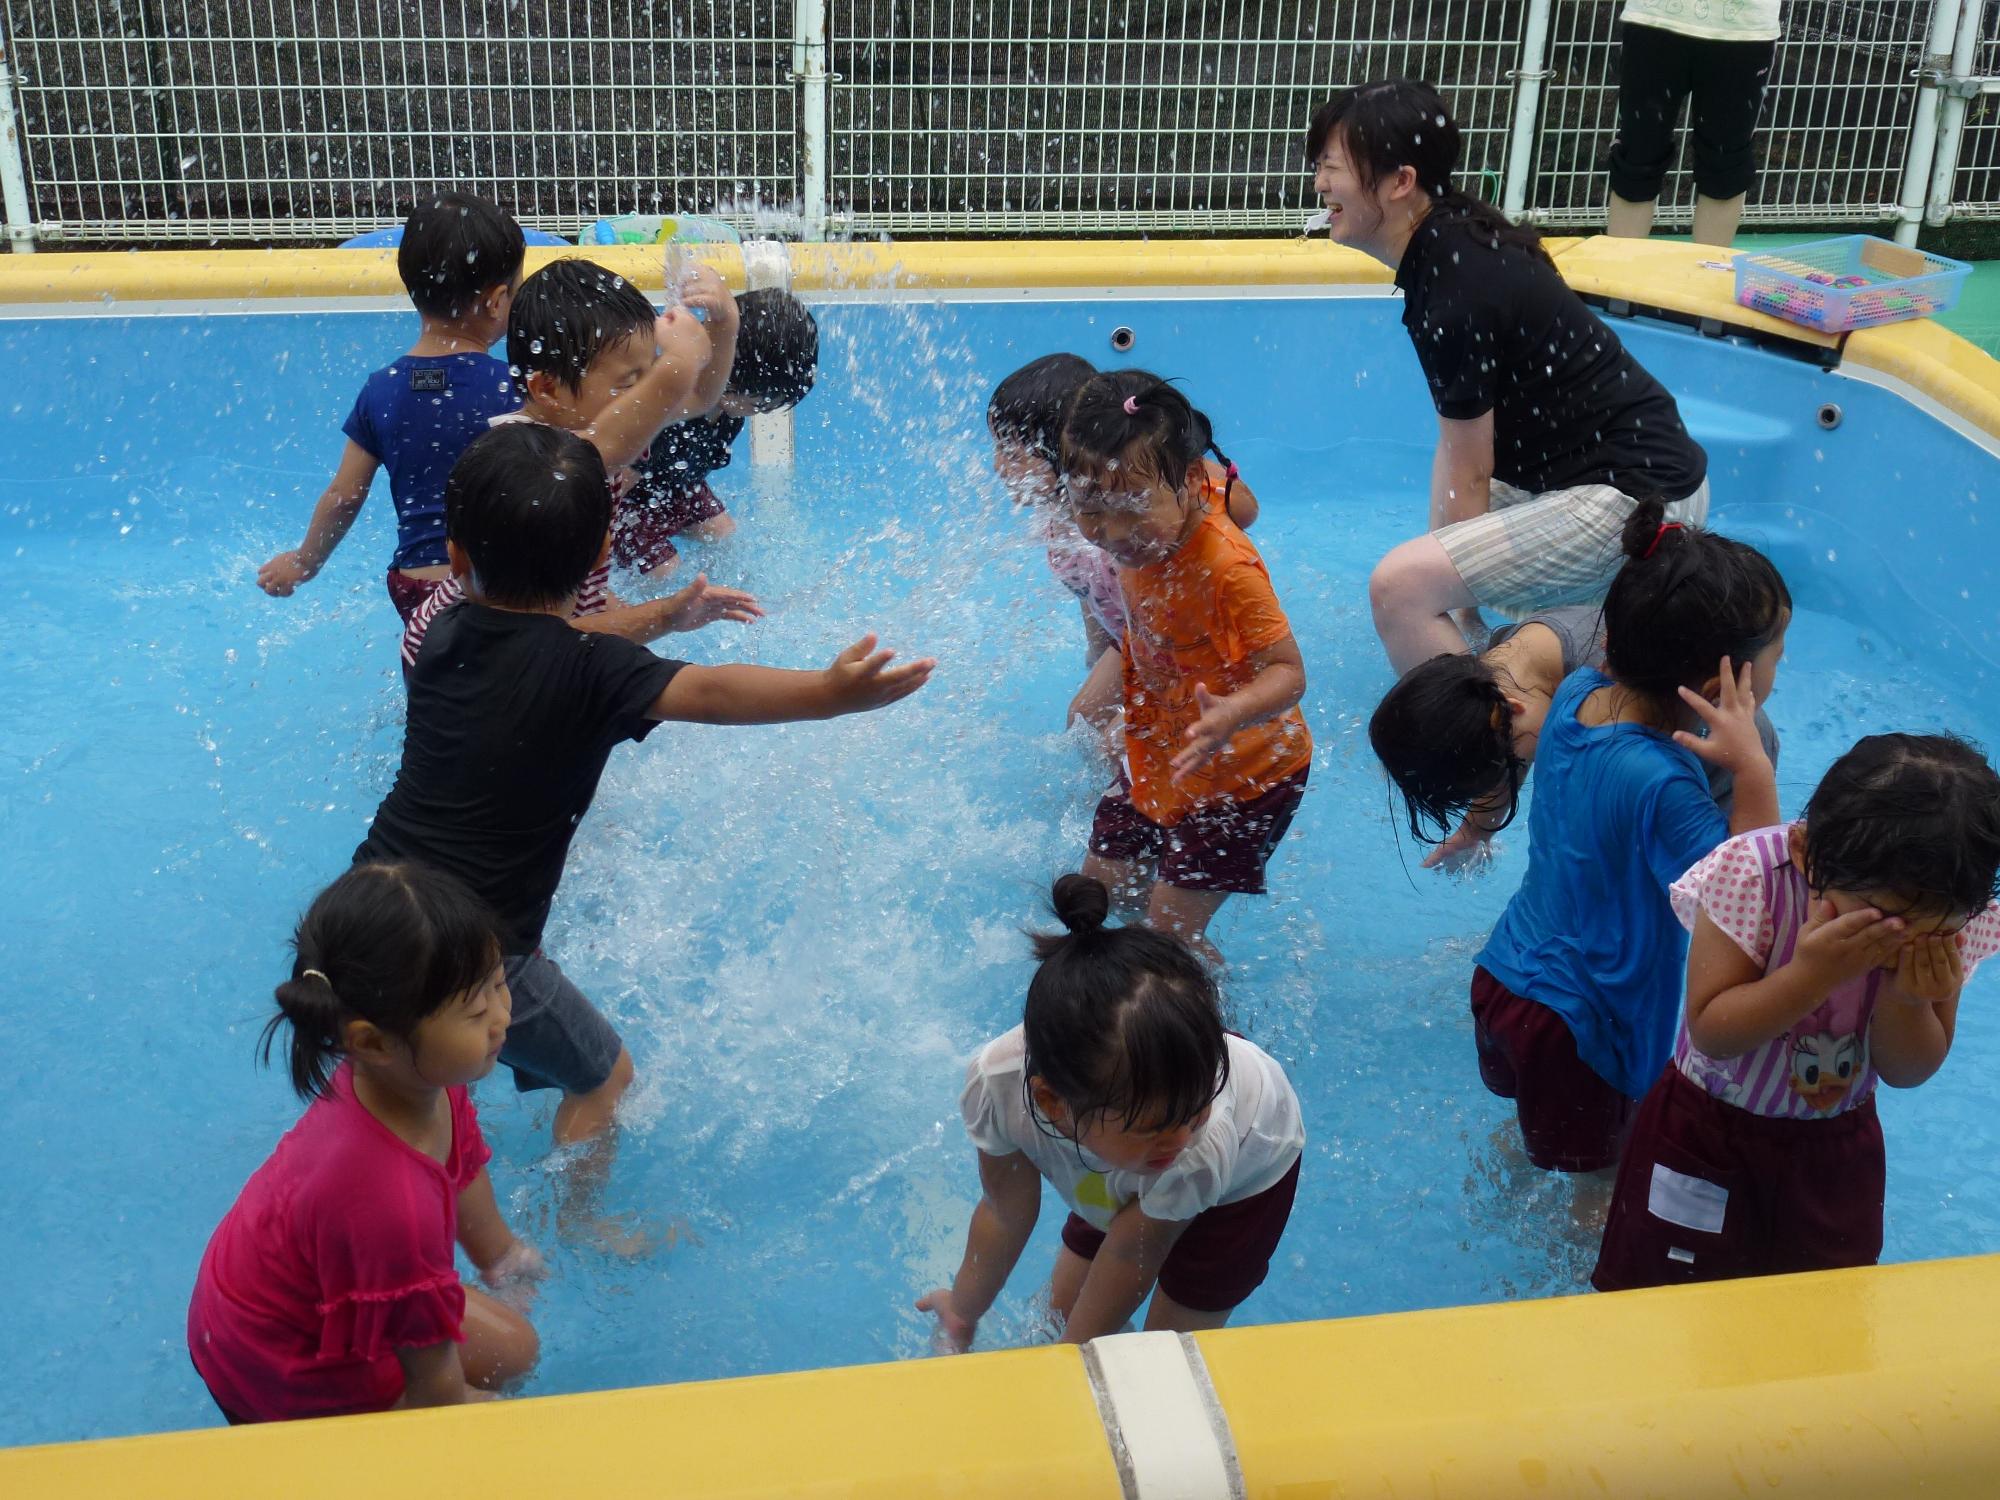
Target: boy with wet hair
[[593, 356], [513, 713], [777, 359], [460, 260]]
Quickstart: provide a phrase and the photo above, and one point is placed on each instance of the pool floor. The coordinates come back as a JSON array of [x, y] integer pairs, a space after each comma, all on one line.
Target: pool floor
[[801, 931]]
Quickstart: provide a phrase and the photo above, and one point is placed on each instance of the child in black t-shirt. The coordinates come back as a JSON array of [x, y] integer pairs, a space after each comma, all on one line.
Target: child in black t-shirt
[[513, 714], [777, 358]]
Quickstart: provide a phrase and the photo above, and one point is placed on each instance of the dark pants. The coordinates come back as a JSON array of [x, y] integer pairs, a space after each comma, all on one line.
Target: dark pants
[[1657, 70]]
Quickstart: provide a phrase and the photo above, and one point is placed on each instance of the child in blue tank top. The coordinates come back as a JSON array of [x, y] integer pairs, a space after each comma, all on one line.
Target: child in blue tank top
[[461, 259], [1576, 992]]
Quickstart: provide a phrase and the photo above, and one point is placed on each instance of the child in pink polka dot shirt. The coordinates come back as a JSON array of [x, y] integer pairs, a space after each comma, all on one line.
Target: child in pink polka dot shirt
[[1827, 955]]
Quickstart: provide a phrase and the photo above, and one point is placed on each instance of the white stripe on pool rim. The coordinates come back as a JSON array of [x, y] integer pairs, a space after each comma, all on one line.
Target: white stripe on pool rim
[[1169, 1437]]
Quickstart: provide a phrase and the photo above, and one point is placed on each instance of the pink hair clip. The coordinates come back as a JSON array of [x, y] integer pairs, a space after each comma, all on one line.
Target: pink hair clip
[[1131, 406]]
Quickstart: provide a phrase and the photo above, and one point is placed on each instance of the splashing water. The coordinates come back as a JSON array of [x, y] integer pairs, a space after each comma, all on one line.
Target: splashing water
[[800, 931]]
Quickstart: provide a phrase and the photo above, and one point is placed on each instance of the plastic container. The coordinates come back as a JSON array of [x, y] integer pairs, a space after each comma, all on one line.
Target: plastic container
[[1856, 281], [389, 238], [660, 229]]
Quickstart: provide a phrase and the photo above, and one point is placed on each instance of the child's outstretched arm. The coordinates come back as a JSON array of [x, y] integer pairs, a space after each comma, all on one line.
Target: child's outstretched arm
[[700, 603], [1916, 1015], [859, 679], [626, 428], [1010, 1202], [1279, 685], [1122, 1273], [338, 505]]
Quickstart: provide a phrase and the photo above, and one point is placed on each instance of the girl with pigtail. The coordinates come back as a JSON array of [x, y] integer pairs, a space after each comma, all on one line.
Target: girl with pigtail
[[1216, 751], [331, 1286], [1576, 992], [1174, 1143], [1025, 420]]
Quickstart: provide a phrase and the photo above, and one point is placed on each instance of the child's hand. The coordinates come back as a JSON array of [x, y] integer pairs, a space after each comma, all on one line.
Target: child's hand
[[1929, 969], [1468, 845], [954, 1334], [701, 603], [514, 1275], [861, 678], [1208, 734], [282, 574], [703, 288], [1732, 742], [1837, 949]]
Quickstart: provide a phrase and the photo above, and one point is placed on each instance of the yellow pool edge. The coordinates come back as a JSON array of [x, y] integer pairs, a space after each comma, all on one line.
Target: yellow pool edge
[[1683, 279], [1864, 1383], [1850, 1383]]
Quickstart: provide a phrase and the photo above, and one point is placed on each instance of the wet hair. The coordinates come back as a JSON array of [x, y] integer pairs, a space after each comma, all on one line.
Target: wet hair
[[1401, 122], [777, 349], [1685, 599], [1029, 406], [457, 247], [1122, 1022], [389, 944], [566, 314], [1445, 735], [1160, 439], [530, 505], [1914, 815]]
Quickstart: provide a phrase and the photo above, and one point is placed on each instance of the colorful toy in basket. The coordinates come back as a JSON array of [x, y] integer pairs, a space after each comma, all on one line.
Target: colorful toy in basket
[[1856, 281], [660, 229]]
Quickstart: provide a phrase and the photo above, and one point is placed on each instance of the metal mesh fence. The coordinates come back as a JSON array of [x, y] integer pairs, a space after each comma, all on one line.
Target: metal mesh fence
[[311, 119], [1832, 135], [305, 120], [1975, 188], [995, 116]]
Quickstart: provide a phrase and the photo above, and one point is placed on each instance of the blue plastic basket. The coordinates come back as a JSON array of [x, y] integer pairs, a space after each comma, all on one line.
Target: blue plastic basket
[[1856, 281]]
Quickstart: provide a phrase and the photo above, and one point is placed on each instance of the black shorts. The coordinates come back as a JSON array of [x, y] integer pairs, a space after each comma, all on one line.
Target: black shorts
[[1219, 846], [557, 1038], [1222, 1256], [1657, 69]]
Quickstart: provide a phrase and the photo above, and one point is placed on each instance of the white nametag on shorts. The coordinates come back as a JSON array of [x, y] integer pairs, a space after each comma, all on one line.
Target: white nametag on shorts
[[1687, 1201]]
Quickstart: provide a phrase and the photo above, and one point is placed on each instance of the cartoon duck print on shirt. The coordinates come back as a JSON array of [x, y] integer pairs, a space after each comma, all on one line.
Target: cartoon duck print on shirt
[[1824, 1067]]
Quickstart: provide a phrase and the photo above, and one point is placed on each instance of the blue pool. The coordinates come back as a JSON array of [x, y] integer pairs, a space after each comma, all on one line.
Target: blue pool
[[803, 931]]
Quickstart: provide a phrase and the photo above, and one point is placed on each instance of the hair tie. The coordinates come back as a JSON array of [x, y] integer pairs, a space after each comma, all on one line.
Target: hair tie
[[1131, 406], [316, 974], [1233, 472], [1653, 546]]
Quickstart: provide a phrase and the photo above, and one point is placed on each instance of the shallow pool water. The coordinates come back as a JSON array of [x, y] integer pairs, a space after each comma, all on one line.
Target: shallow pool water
[[803, 931]]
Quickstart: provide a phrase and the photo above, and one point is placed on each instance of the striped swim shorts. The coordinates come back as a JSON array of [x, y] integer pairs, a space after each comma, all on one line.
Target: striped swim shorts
[[1533, 552]]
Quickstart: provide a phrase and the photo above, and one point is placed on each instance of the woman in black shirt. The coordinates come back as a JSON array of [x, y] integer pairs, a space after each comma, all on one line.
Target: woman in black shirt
[[1548, 430]]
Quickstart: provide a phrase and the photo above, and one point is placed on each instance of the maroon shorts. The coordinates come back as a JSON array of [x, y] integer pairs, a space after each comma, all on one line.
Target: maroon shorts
[[642, 532], [1571, 1119], [406, 593], [1708, 1192], [1219, 846], [1222, 1256]]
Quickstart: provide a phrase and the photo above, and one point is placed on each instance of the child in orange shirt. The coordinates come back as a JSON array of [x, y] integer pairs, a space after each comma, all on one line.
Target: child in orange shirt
[[1216, 751]]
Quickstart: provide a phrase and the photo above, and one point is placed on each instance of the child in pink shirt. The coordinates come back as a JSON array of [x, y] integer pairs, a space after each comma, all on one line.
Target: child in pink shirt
[[1828, 955], [331, 1286]]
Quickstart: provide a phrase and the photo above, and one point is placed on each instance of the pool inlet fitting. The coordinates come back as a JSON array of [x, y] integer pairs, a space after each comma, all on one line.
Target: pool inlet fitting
[[1123, 338], [1829, 416]]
